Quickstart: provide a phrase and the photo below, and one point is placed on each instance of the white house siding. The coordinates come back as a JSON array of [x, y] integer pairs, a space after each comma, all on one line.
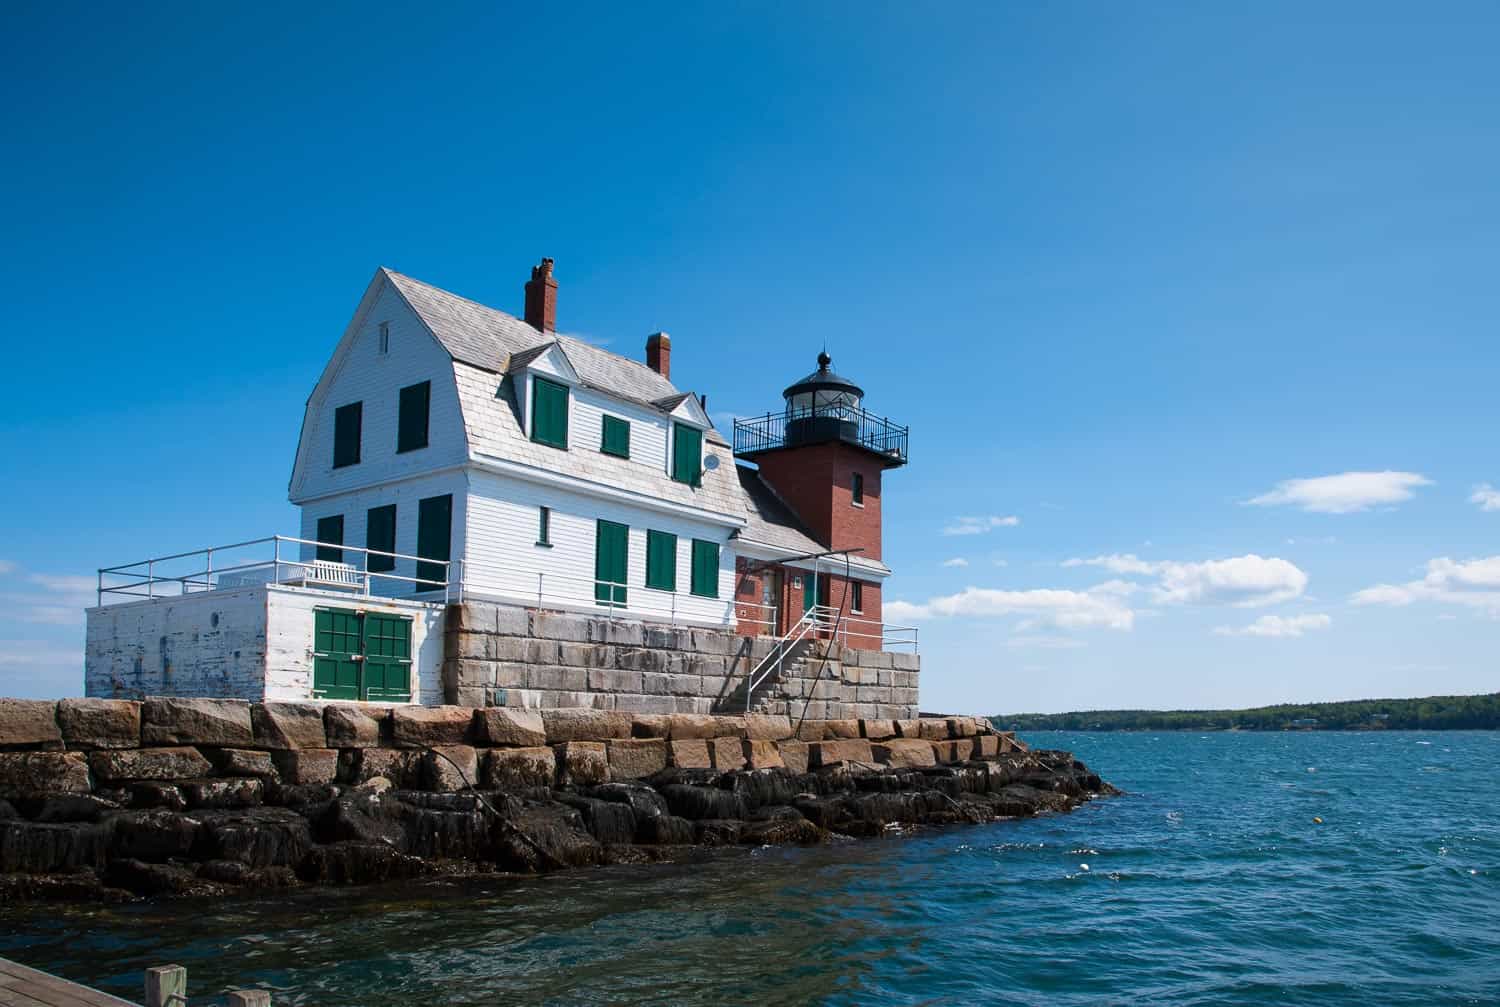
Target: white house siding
[[406, 495], [362, 374], [208, 644], [289, 624], [502, 559], [648, 430]]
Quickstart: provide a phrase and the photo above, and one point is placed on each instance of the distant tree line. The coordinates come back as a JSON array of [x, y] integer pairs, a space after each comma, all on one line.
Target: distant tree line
[[1435, 713]]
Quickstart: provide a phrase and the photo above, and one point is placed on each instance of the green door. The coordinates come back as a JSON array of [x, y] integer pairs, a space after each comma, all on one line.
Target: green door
[[814, 590], [361, 655], [336, 653], [387, 664], [610, 563]]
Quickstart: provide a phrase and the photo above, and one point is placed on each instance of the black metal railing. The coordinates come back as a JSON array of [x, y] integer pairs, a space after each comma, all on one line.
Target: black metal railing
[[792, 427]]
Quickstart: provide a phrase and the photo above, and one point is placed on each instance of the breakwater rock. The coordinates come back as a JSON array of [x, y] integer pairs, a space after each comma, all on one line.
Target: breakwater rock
[[202, 797]]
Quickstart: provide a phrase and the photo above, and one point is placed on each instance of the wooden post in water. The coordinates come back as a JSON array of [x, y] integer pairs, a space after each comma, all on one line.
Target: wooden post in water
[[166, 986], [248, 998]]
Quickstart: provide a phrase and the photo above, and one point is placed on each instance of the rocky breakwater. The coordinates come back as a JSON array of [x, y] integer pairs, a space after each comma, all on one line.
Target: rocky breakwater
[[111, 799]]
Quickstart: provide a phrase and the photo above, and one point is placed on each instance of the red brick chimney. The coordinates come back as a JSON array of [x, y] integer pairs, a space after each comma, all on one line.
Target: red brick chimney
[[541, 298], [659, 354]]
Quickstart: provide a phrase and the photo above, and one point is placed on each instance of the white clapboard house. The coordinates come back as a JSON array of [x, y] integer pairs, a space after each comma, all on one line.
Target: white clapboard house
[[453, 451]]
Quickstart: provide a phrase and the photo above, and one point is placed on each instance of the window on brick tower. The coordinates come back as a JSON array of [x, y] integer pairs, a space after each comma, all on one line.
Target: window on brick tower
[[857, 489], [857, 596]]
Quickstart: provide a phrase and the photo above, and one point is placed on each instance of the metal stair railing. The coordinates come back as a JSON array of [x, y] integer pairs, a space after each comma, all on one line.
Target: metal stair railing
[[813, 619]]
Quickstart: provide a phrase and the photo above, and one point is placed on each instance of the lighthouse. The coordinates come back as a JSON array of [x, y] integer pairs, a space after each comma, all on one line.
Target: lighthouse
[[823, 456]]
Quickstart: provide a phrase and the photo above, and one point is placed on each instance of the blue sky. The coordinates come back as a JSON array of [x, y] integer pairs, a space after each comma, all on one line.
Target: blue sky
[[1124, 269]]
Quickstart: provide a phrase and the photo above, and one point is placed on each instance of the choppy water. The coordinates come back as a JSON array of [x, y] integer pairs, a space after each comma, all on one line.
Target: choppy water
[[1209, 884]]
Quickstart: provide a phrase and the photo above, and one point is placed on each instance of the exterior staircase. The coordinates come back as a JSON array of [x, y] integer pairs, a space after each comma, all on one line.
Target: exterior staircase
[[767, 693]]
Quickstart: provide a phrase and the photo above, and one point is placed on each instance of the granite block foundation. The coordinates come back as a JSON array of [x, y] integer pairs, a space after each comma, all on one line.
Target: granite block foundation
[[503, 656], [210, 795]]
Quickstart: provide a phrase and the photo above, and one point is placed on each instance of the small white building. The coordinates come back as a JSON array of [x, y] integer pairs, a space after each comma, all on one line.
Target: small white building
[[450, 450]]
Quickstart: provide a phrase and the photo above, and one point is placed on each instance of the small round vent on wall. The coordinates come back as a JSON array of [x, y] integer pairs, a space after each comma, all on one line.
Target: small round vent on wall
[[710, 462]]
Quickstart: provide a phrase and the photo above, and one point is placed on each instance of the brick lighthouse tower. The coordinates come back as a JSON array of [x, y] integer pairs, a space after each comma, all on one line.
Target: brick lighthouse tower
[[823, 456]]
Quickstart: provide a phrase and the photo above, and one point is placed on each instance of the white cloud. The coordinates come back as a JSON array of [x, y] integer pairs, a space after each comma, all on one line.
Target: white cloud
[[980, 525], [1042, 606], [1116, 563], [1486, 496], [1276, 625], [1474, 583], [44, 598], [1344, 493], [1000, 562], [957, 561], [1247, 581]]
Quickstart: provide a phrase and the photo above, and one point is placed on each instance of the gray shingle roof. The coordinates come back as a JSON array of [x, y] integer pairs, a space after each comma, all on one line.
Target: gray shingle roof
[[484, 337], [771, 521]]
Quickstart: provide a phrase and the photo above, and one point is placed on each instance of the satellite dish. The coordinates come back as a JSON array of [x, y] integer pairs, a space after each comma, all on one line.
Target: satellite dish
[[710, 462]]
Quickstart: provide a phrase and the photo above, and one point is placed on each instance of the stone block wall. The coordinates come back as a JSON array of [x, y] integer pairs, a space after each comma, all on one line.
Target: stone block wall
[[508, 656]]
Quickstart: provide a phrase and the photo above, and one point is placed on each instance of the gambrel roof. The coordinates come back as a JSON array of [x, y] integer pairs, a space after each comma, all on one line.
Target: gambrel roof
[[489, 339]]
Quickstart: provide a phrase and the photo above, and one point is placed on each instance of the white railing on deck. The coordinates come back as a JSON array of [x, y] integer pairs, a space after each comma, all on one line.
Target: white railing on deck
[[272, 560], [277, 559]]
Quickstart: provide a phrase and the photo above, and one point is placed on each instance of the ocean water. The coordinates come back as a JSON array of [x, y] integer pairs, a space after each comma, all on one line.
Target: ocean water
[[1210, 882]]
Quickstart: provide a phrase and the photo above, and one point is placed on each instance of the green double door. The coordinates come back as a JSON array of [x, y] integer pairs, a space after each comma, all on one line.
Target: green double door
[[361, 655]]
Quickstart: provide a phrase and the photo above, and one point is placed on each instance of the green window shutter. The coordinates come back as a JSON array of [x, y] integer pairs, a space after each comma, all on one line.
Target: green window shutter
[[411, 428], [705, 568], [661, 560], [347, 421], [549, 413], [544, 526], [331, 531], [616, 437], [610, 563], [434, 540], [380, 535], [687, 454]]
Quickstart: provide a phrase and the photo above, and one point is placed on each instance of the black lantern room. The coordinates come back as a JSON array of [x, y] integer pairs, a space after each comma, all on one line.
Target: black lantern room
[[820, 408]]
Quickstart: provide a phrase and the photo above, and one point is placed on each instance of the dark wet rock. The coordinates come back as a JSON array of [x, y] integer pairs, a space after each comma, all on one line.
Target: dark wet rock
[[262, 837], [703, 802], [74, 808], [607, 821], [546, 837], [198, 835], [357, 864], [44, 847], [291, 795], [152, 794], [666, 830], [232, 872], [152, 835], [800, 832], [244, 792], [641, 798], [363, 818], [719, 832], [144, 878]]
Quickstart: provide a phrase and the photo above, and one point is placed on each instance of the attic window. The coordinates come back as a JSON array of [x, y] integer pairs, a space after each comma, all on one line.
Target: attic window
[[385, 338]]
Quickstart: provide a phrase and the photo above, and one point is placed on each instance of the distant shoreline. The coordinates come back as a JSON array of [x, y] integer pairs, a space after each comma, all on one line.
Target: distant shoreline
[[1431, 713]]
